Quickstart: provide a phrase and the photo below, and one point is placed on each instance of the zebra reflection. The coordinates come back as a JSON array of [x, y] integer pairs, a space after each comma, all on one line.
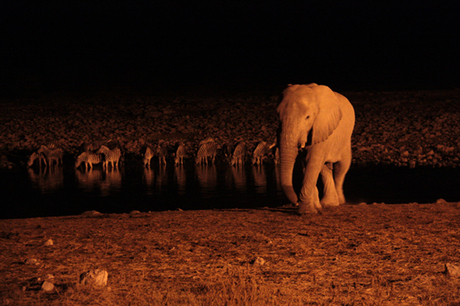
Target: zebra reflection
[[47, 179]]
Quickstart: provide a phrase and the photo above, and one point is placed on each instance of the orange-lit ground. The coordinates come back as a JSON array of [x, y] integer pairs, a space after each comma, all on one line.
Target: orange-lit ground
[[366, 255]]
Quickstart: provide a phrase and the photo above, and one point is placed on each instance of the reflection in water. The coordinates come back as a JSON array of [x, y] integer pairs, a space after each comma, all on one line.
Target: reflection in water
[[239, 178], [207, 177], [47, 179], [181, 178], [89, 179], [161, 177], [111, 182], [201, 187], [96, 179], [155, 178], [260, 179]]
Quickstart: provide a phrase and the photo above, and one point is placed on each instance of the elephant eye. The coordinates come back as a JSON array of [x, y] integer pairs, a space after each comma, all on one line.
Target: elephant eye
[[308, 117]]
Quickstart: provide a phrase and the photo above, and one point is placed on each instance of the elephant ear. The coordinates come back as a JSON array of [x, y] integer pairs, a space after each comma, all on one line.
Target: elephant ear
[[329, 114]]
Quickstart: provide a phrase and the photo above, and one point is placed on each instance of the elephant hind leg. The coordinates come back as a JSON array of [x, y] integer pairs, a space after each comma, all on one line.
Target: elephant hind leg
[[330, 197], [340, 170]]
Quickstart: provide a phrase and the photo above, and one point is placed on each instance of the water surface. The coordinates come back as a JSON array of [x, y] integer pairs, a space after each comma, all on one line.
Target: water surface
[[67, 191]]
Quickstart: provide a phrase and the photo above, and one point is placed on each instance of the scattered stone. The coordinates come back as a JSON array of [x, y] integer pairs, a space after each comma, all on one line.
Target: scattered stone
[[48, 286], [48, 242], [96, 278], [31, 261], [259, 261], [362, 204], [135, 212], [91, 213], [452, 270], [440, 201]]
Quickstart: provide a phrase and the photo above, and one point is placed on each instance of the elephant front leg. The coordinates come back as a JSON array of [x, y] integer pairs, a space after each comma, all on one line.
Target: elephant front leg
[[309, 198], [330, 197]]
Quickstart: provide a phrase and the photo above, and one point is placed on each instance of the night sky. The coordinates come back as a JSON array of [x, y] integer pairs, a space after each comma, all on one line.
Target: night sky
[[236, 45]]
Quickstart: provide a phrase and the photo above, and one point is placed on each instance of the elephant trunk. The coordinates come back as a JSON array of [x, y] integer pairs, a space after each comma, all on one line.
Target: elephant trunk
[[288, 155]]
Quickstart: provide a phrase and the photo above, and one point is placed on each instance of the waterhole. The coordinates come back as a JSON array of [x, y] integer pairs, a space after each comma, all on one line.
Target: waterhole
[[64, 190]]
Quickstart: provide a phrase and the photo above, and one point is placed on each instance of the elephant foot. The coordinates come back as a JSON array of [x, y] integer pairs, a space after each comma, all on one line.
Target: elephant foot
[[308, 208], [329, 203]]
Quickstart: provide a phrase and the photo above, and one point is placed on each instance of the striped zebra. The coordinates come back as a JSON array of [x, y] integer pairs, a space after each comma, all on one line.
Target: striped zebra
[[227, 150], [259, 154], [51, 155], [239, 154], [89, 159], [274, 152], [204, 141], [110, 156], [161, 152], [36, 156], [206, 150], [148, 157], [180, 153]]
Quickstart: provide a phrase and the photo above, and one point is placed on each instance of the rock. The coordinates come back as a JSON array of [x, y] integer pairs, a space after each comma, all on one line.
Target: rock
[[48, 286], [96, 278], [31, 261], [452, 270], [259, 261], [48, 242], [440, 201], [91, 213]]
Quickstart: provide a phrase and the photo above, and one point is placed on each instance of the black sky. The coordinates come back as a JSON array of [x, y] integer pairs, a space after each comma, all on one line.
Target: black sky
[[234, 44]]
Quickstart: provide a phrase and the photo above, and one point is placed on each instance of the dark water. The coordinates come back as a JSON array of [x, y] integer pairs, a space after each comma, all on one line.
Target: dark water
[[69, 191]]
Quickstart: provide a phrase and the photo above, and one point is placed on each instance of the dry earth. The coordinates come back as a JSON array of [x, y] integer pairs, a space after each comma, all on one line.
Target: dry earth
[[350, 255]]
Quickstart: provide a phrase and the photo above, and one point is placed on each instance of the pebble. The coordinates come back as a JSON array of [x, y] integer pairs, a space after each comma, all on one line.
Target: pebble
[[47, 286], [96, 277]]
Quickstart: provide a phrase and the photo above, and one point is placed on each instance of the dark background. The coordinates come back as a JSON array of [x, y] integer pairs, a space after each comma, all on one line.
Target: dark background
[[231, 45]]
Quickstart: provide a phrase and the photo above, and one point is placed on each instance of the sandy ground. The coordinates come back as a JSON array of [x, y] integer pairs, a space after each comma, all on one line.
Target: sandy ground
[[352, 254]]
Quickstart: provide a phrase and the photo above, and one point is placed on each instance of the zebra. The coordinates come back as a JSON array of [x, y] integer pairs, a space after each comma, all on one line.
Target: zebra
[[36, 156], [227, 150], [148, 157], [259, 153], [110, 156], [207, 149], [51, 155], [180, 153], [207, 140], [161, 152], [274, 152], [89, 159], [239, 154]]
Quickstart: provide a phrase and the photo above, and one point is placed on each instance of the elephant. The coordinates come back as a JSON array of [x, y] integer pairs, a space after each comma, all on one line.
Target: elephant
[[319, 123]]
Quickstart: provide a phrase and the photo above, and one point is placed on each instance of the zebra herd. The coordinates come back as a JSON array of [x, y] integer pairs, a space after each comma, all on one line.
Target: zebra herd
[[51, 156]]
